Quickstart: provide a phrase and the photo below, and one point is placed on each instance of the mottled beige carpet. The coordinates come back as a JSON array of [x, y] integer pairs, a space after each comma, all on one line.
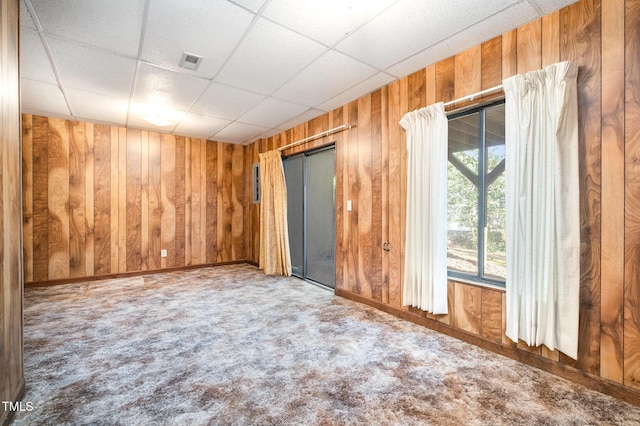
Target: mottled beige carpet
[[229, 345]]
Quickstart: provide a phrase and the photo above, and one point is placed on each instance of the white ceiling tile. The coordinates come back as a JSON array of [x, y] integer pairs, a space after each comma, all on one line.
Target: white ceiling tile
[[26, 20], [331, 74], [157, 85], [356, 91], [281, 54], [421, 24], [482, 31], [42, 98], [253, 5], [238, 132], [92, 69], [271, 112], [268, 57], [89, 106], [226, 102], [34, 62], [326, 21], [309, 114], [548, 6], [114, 25], [200, 126], [269, 133], [200, 27]]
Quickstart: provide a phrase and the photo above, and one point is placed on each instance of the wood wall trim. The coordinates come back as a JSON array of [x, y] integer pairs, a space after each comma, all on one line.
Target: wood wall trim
[[573, 374], [612, 254], [631, 337], [11, 210], [75, 280]]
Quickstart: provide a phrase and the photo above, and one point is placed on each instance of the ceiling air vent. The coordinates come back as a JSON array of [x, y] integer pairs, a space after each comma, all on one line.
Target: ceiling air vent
[[190, 61]]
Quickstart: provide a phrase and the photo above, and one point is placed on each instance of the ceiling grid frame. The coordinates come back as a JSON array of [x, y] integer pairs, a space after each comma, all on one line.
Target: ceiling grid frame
[[230, 109]]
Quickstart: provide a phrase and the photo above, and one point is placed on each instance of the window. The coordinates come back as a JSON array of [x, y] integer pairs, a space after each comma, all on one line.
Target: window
[[476, 206]]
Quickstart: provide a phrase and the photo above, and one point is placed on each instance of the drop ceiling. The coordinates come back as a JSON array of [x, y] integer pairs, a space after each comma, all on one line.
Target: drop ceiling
[[267, 65]]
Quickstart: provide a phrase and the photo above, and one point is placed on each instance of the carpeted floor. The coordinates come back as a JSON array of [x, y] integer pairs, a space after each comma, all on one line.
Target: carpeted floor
[[229, 345]]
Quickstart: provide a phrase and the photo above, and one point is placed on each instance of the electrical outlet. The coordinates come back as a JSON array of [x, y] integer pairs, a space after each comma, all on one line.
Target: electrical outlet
[[163, 253]]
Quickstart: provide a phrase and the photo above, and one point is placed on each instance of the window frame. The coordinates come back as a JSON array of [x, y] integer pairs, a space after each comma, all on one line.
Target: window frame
[[480, 276]]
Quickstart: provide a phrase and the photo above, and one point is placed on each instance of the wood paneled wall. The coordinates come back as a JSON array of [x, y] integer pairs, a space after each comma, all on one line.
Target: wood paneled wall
[[604, 39], [11, 347], [101, 200]]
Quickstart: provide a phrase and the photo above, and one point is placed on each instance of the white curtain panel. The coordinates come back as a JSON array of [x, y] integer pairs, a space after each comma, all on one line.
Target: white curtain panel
[[542, 208], [425, 268]]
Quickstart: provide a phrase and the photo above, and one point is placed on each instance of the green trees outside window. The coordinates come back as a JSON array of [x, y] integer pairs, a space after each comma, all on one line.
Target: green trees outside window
[[476, 206]]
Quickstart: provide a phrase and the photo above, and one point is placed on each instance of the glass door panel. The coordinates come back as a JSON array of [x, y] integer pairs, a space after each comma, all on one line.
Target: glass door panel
[[294, 177], [321, 217]]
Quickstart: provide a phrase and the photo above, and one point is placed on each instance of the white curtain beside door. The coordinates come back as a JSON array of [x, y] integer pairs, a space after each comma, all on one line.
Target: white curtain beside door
[[425, 282], [542, 208]]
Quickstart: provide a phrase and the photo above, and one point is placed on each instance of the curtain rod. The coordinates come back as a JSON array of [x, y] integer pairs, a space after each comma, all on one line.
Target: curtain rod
[[473, 95], [316, 136]]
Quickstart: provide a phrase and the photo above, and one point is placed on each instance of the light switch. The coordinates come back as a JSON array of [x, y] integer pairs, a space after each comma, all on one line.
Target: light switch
[[348, 205]]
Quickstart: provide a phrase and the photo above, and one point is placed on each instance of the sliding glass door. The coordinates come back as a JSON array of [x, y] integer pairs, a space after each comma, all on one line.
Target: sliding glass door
[[294, 176], [321, 217], [312, 215]]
